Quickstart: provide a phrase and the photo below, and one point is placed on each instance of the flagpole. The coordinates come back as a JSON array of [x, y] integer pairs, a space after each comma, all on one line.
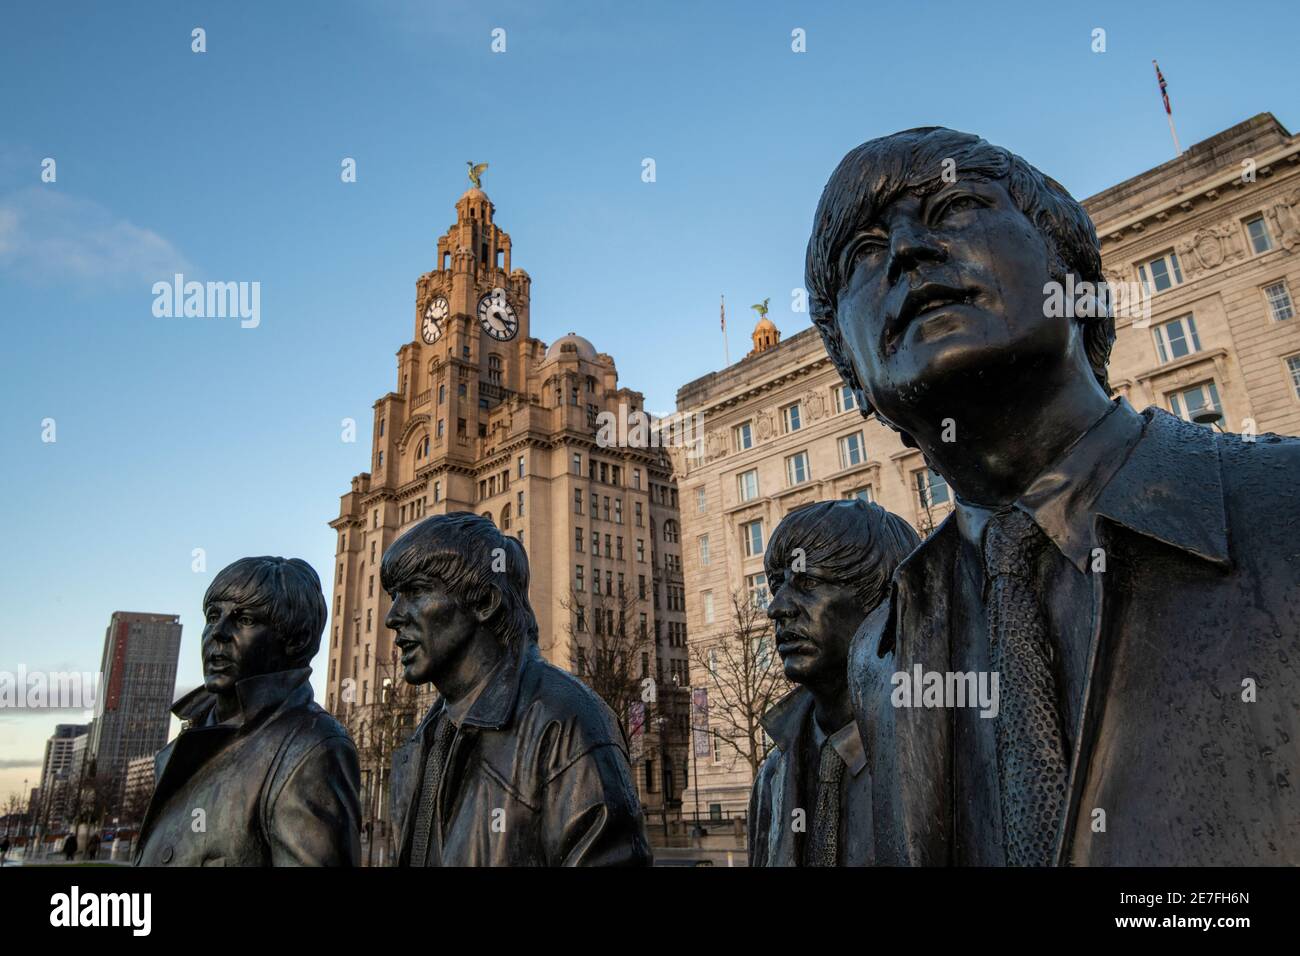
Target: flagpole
[[1169, 112], [726, 351]]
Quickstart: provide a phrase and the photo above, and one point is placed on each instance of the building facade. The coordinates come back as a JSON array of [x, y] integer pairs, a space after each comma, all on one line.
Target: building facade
[[1208, 239], [486, 418], [65, 753], [133, 707]]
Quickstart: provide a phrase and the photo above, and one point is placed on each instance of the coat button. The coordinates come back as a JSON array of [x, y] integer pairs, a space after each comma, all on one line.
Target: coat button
[[167, 855]]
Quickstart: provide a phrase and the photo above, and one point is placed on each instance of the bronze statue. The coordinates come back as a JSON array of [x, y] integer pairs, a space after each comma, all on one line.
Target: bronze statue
[[518, 763], [260, 775], [828, 565], [1129, 577]]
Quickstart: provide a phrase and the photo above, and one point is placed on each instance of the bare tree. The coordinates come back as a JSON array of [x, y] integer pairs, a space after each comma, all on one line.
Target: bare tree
[[744, 676], [607, 648], [379, 727]]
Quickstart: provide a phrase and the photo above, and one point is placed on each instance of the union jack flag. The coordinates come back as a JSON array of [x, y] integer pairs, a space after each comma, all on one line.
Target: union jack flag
[[1164, 87]]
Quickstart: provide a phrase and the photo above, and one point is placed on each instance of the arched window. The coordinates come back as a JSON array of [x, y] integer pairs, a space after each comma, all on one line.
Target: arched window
[[505, 518], [670, 531], [494, 369]]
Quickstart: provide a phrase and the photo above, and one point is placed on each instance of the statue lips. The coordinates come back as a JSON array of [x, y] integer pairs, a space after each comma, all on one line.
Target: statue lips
[[920, 300], [792, 642]]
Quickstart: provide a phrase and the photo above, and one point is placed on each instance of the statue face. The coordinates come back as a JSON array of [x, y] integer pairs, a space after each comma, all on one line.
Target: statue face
[[433, 629], [942, 285], [238, 642], [815, 619]]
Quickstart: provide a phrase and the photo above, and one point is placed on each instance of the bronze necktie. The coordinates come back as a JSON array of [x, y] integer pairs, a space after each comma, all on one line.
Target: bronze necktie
[[426, 808], [1032, 762], [825, 848]]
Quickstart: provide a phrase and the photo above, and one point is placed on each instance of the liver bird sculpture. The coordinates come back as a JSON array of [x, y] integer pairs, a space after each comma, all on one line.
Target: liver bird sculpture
[[475, 171], [762, 309]]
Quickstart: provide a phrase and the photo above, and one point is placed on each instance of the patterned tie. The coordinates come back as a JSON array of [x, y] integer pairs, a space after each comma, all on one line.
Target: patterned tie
[[825, 847], [428, 805], [1031, 748]]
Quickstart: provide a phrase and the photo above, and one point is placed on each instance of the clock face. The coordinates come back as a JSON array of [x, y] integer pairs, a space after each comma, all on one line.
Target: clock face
[[434, 316], [497, 315]]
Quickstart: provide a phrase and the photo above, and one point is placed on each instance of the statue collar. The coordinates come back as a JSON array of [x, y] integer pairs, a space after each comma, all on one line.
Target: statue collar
[[1151, 472], [257, 697], [786, 719]]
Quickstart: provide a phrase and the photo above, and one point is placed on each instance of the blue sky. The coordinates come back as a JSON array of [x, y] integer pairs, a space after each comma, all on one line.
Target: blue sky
[[176, 434]]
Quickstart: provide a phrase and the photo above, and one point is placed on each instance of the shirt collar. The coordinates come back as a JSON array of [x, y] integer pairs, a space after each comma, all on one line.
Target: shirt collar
[[787, 717], [1152, 472], [492, 702]]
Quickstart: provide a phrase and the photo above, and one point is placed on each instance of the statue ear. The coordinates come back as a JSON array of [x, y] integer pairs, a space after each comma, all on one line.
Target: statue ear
[[488, 605]]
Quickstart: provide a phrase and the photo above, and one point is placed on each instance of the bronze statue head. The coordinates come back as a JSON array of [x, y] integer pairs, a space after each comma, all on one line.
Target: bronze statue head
[[926, 271], [828, 566], [456, 582], [261, 615]]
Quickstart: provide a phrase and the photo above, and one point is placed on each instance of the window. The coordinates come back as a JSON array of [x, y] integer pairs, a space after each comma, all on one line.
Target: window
[[581, 625], [640, 586], [1176, 339], [715, 809], [577, 463], [1279, 301], [1161, 273], [790, 418], [595, 506], [1293, 366], [1260, 240], [578, 582], [751, 536], [619, 549], [700, 503], [441, 429], [747, 483], [704, 548], [671, 533], [577, 501], [437, 491], [505, 518], [381, 459], [852, 450], [864, 493], [609, 552], [931, 488], [706, 600], [796, 468], [618, 511], [519, 504], [640, 519], [442, 394], [756, 588], [845, 401], [521, 466], [577, 540], [640, 549], [595, 543], [743, 436], [1197, 400]]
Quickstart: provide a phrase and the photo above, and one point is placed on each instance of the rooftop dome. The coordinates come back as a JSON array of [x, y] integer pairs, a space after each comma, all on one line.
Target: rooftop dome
[[570, 344]]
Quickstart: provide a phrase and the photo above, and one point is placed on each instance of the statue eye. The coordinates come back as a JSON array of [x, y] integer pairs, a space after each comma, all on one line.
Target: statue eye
[[958, 203], [864, 248], [246, 620]]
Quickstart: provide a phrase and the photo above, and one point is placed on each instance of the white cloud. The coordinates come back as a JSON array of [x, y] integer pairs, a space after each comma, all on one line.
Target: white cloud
[[46, 235]]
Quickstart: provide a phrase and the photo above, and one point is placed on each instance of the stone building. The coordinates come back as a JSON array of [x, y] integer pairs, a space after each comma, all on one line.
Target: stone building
[[486, 418], [1208, 239]]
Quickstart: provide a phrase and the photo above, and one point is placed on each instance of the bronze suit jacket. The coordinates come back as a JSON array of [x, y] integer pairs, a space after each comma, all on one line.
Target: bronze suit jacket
[[537, 775], [1188, 741], [277, 787]]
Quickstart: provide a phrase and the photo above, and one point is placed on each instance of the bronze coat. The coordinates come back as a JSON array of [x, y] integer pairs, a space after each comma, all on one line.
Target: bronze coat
[[276, 788], [537, 775], [1202, 539]]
